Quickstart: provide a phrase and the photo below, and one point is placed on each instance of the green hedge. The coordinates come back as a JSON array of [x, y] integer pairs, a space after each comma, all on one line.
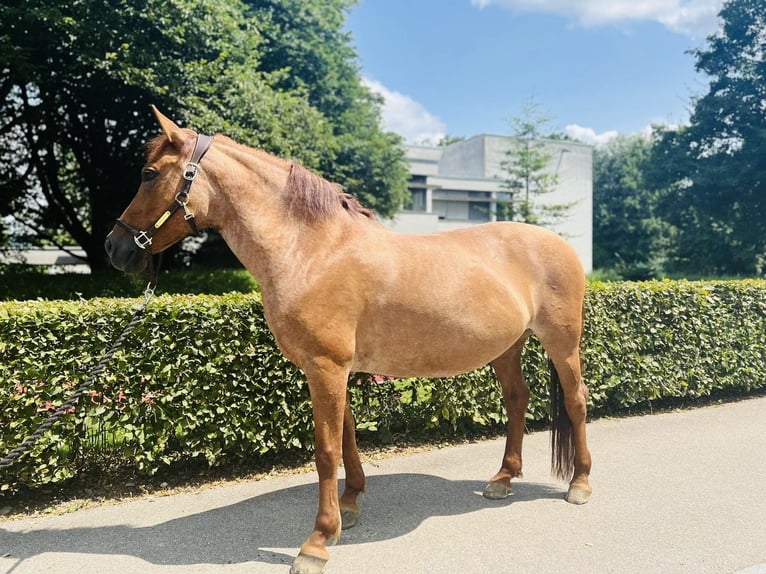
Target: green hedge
[[25, 282], [200, 378]]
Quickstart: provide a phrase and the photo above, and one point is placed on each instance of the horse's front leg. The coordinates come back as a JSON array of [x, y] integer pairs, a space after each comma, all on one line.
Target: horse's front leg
[[349, 505], [328, 398]]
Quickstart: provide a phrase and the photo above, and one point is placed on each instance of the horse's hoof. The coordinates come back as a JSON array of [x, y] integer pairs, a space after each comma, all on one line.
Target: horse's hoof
[[307, 564], [497, 491], [578, 495], [348, 518]]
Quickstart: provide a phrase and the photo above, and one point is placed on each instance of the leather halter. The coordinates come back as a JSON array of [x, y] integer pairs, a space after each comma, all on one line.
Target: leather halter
[[143, 239]]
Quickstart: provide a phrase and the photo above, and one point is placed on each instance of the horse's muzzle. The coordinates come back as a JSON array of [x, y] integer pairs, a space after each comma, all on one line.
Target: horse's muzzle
[[124, 254]]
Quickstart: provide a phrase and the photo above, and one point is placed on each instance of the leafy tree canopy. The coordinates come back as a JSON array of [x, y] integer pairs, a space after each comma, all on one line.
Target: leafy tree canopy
[[715, 168], [629, 235], [77, 78]]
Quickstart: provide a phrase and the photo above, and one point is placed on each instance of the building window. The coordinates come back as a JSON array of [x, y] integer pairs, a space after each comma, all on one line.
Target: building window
[[418, 200], [478, 211], [461, 210], [504, 207], [451, 210], [417, 187]]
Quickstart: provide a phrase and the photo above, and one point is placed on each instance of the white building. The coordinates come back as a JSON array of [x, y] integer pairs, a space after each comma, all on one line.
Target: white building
[[462, 184]]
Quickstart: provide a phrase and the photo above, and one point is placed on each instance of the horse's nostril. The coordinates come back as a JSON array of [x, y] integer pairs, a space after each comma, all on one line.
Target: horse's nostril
[[108, 246]]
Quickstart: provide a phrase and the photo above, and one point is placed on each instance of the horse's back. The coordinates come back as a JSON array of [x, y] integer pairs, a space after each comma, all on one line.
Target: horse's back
[[529, 259]]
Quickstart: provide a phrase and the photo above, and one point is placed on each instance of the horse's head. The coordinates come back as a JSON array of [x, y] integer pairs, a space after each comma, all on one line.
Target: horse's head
[[167, 207]]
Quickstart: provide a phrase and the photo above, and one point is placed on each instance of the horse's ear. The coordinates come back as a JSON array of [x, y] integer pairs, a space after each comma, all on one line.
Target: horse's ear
[[174, 134]]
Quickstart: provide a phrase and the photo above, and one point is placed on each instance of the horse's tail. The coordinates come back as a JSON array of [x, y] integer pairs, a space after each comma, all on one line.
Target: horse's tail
[[562, 447]]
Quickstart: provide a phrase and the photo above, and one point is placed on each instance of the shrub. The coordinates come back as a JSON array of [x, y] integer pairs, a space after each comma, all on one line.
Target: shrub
[[22, 283], [201, 377], [661, 340]]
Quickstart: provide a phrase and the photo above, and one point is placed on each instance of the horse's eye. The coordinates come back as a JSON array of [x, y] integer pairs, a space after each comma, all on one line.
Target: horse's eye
[[149, 174]]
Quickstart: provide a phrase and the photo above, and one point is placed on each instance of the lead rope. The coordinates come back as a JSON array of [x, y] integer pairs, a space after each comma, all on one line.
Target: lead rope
[[27, 445]]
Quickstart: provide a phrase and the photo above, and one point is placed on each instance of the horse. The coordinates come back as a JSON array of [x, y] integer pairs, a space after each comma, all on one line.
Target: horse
[[343, 294]]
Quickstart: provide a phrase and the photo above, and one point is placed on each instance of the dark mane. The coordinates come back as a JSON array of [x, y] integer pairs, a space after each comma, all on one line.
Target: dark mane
[[311, 198]]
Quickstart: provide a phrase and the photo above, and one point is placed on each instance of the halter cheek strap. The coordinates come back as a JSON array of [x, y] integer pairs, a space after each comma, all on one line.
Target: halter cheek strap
[[143, 239]]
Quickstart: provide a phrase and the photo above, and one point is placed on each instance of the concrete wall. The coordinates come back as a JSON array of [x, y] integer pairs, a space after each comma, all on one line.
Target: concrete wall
[[465, 159]]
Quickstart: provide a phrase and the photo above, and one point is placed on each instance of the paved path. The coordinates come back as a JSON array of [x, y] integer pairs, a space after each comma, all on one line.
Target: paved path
[[678, 492]]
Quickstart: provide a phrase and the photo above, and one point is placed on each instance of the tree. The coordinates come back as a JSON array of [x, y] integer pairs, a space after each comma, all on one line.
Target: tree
[[307, 39], [77, 78], [628, 235], [715, 166], [528, 174], [448, 140]]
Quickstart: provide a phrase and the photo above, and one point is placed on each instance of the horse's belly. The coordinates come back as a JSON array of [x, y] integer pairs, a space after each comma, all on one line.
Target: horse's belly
[[451, 342]]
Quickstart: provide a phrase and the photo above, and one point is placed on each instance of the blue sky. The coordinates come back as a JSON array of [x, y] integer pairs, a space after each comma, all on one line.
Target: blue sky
[[597, 67]]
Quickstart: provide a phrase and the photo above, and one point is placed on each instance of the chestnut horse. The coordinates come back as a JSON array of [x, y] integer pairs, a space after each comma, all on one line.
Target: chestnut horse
[[343, 294]]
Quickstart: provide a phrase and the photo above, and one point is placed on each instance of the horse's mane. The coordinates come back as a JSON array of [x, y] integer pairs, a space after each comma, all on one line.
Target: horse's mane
[[311, 198]]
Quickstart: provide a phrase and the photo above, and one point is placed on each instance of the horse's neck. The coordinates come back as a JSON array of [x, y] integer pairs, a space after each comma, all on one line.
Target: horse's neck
[[283, 259], [275, 247]]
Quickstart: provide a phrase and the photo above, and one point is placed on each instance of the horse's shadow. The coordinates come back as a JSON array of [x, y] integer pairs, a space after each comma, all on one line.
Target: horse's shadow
[[254, 530]]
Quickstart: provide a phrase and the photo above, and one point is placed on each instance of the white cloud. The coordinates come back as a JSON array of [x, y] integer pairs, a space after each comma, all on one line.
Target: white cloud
[[408, 118], [589, 135], [697, 18]]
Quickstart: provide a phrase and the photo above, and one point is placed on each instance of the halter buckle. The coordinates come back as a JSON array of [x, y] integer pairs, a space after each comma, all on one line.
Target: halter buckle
[[190, 171]]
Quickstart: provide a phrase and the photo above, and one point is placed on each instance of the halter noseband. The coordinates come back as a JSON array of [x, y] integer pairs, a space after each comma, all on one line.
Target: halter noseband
[[144, 238]]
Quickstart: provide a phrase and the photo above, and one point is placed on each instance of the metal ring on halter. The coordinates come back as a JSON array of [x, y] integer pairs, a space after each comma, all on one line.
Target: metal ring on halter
[[182, 197], [188, 215], [143, 240]]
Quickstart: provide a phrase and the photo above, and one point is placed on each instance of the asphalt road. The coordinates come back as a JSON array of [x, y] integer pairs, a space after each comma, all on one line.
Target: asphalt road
[[676, 492]]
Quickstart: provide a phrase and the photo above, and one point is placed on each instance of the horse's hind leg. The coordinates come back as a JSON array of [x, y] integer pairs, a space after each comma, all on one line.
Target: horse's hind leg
[[507, 368], [349, 506], [571, 457]]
